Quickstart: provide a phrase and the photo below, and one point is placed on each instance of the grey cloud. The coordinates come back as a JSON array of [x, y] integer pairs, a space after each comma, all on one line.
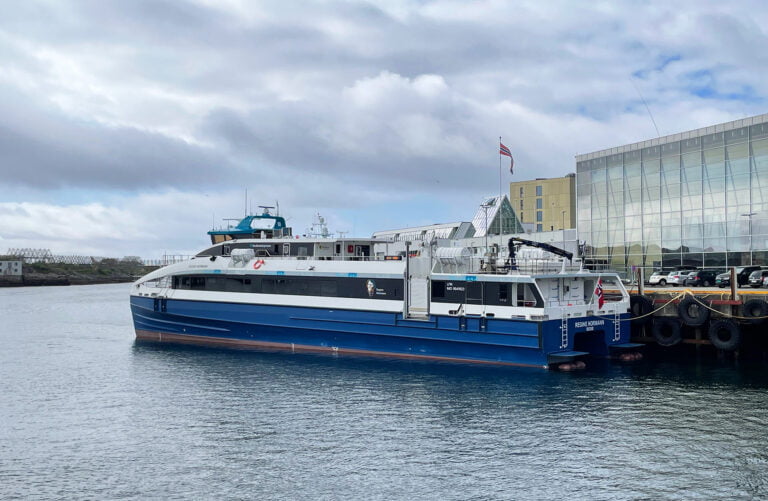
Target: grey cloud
[[290, 136], [44, 148]]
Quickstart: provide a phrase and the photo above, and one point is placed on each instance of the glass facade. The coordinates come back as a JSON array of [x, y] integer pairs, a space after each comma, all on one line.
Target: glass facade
[[698, 198]]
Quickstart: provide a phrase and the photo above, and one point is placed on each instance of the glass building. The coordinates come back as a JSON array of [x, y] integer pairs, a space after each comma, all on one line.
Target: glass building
[[696, 198]]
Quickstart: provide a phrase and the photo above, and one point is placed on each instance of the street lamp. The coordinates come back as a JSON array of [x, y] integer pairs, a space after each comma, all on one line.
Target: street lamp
[[485, 207], [749, 215], [562, 227]]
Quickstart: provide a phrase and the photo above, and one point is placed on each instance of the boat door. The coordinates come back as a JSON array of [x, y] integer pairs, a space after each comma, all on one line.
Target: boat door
[[286, 249], [473, 302], [361, 252]]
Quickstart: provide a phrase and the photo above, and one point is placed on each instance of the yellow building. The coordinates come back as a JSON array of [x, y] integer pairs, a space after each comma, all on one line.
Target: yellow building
[[545, 204]]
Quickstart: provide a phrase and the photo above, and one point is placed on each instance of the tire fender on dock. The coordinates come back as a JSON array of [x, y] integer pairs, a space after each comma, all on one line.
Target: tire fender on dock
[[640, 306], [693, 311], [755, 310], [725, 335], [666, 331]]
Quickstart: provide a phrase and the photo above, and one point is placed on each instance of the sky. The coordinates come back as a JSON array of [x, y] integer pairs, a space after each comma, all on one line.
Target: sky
[[131, 128]]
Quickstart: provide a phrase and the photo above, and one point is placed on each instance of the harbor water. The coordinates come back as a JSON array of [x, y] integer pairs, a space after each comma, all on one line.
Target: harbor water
[[89, 413]]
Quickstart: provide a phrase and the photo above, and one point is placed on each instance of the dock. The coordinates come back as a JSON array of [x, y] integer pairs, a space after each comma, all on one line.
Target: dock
[[729, 320]]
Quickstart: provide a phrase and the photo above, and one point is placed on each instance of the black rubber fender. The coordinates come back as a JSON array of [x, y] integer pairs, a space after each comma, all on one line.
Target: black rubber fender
[[693, 311], [725, 335], [666, 331], [640, 306], [756, 310]]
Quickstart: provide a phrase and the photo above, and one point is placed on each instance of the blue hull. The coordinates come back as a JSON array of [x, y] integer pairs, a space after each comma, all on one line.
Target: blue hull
[[465, 339]]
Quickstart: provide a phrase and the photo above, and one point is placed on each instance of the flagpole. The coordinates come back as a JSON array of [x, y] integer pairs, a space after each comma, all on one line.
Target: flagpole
[[500, 215]]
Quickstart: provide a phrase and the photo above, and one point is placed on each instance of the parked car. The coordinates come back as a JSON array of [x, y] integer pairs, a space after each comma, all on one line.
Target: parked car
[[676, 277], [687, 279], [756, 278], [702, 278], [658, 278], [742, 276]]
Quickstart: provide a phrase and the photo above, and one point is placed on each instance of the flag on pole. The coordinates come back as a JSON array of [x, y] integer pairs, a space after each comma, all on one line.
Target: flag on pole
[[599, 294], [503, 150]]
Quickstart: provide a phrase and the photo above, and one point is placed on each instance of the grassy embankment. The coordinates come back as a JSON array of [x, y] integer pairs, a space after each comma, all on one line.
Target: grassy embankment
[[105, 271]]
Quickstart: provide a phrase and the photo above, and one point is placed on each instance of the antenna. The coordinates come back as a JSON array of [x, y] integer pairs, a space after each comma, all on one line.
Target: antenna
[[658, 134], [246, 203]]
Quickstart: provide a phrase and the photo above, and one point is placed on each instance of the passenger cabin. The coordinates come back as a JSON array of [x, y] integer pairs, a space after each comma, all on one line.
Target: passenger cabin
[[265, 226], [323, 250]]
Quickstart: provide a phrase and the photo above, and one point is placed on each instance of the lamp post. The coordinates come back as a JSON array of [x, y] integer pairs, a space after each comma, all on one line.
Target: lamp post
[[562, 228], [485, 207], [749, 215]]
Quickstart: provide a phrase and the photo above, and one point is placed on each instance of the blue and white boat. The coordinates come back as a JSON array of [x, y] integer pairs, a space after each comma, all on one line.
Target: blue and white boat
[[258, 286]]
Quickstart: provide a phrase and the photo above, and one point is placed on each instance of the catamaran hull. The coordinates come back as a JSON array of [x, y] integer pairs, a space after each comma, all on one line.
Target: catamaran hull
[[447, 338]]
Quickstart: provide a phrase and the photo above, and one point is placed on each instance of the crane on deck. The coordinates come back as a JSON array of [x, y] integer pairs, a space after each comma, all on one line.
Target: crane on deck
[[515, 243]]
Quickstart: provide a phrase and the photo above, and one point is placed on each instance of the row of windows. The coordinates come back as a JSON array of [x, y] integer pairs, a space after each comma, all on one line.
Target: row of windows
[[671, 259], [539, 192], [488, 293], [296, 249], [348, 287], [459, 292], [751, 135]]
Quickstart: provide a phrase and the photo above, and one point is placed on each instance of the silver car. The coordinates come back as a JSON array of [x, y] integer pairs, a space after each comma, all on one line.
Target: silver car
[[658, 278]]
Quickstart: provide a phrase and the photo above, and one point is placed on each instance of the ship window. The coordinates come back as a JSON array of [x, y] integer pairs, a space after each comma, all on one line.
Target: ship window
[[438, 289], [528, 295], [503, 293], [474, 291], [197, 283], [329, 288], [226, 250], [237, 284], [212, 251], [273, 286]]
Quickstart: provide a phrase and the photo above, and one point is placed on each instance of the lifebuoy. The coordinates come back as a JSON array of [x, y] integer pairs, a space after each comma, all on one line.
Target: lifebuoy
[[258, 264], [693, 311], [666, 331], [756, 310], [640, 306], [725, 335]]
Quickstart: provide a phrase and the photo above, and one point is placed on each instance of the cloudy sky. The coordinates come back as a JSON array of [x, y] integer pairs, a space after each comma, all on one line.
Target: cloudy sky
[[132, 127]]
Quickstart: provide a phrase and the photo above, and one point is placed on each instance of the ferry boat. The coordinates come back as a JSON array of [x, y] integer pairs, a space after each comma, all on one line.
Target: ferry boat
[[259, 286]]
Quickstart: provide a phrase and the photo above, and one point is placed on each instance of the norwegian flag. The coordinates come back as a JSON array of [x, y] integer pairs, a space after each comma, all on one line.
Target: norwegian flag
[[599, 294], [503, 150]]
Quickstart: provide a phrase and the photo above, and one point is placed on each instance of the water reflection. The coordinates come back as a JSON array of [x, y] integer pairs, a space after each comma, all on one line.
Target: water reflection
[[652, 429]]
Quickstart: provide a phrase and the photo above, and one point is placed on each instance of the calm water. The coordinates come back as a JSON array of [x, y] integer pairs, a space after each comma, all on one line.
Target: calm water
[[86, 412]]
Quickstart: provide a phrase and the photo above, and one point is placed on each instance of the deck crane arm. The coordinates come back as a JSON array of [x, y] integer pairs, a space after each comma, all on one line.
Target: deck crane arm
[[515, 243]]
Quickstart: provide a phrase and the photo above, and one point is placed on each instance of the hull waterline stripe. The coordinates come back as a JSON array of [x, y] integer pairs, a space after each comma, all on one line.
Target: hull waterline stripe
[[212, 341]]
